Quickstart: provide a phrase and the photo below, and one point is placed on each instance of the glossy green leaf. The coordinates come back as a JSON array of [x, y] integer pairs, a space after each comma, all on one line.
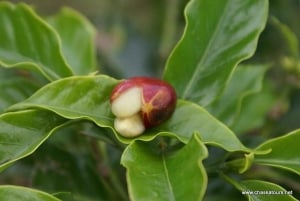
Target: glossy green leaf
[[87, 97], [10, 193], [257, 190], [284, 152], [189, 118], [157, 176], [78, 40], [28, 42], [219, 35], [23, 132], [228, 105], [77, 97]]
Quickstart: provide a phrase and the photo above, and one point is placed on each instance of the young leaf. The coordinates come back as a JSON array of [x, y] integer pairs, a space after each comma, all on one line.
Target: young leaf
[[78, 40], [227, 107], [23, 132], [218, 35], [28, 42], [19, 193], [158, 176], [284, 152], [241, 165]]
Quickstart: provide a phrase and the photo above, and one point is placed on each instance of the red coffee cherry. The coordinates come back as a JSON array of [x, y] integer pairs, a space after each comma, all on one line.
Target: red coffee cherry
[[140, 103]]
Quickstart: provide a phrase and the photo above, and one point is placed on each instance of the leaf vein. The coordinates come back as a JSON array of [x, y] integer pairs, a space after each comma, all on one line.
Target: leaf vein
[[171, 191], [202, 59]]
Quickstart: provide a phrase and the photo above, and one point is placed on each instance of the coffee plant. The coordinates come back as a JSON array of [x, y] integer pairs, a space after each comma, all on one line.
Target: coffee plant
[[222, 141]]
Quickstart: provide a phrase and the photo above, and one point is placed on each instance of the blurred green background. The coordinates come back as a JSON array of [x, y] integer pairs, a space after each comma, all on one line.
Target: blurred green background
[[134, 36]]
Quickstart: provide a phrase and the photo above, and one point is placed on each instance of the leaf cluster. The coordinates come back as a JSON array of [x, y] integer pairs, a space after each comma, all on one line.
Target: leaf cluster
[[55, 112]]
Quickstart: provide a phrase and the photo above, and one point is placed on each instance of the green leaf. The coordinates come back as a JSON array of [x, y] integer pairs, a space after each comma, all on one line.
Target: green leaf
[[290, 37], [284, 152], [228, 105], [87, 97], [218, 35], [19, 193], [23, 132], [254, 110], [65, 196], [77, 97], [28, 42], [241, 165], [189, 118], [257, 190], [158, 176], [78, 40]]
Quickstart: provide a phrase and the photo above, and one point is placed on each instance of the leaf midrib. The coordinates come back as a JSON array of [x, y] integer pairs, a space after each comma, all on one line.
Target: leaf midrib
[[171, 191], [207, 50], [61, 111]]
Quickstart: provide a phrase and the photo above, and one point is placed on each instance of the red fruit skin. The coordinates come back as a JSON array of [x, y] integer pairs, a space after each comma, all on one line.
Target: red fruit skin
[[158, 98], [120, 88]]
